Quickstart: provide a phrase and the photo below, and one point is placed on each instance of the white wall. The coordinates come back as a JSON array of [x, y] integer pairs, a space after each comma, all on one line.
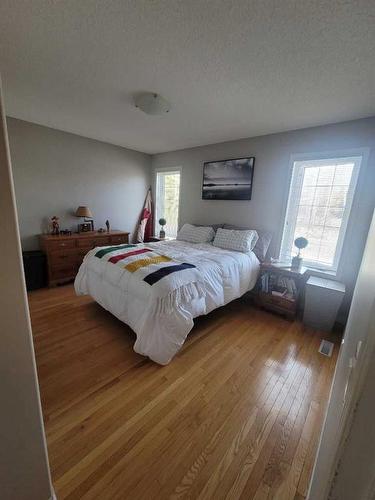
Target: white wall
[[55, 172], [271, 181], [24, 471]]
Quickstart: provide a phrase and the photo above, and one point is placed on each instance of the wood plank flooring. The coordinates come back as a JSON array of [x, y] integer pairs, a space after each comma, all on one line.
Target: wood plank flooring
[[236, 415]]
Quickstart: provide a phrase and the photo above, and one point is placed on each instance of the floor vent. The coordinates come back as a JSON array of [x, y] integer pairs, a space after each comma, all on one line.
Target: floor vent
[[326, 348]]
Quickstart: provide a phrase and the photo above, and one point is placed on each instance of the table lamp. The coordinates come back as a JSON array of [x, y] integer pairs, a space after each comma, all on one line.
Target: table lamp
[[88, 224]]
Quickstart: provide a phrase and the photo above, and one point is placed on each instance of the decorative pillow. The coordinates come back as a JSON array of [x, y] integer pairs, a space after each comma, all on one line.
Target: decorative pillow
[[231, 239], [194, 234], [262, 244]]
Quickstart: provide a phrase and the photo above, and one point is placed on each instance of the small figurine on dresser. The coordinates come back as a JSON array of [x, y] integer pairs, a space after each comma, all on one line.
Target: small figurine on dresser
[[108, 226], [55, 225]]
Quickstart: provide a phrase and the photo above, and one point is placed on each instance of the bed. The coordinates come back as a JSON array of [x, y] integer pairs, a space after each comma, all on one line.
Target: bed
[[159, 288]]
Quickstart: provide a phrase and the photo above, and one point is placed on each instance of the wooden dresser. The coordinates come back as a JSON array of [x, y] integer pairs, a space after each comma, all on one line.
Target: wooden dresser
[[65, 253]]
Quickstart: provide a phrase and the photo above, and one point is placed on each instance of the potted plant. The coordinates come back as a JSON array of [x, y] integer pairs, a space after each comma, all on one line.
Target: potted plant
[[162, 223], [297, 260]]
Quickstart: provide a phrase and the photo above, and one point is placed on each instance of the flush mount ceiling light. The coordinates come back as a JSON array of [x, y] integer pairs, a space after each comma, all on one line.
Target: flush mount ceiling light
[[152, 104]]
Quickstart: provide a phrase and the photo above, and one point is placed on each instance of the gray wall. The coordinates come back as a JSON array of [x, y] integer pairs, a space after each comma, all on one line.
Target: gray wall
[[55, 172], [271, 181]]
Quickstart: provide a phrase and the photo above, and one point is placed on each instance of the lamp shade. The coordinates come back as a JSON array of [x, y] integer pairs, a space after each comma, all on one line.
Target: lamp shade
[[84, 212]]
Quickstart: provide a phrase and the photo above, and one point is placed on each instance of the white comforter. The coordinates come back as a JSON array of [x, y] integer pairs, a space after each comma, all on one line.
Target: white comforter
[[162, 328]]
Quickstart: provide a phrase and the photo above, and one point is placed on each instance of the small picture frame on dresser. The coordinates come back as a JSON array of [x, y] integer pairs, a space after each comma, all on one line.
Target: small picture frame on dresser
[[86, 227]]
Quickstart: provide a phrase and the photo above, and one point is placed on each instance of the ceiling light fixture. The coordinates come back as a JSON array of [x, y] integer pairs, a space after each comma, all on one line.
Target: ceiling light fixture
[[152, 104]]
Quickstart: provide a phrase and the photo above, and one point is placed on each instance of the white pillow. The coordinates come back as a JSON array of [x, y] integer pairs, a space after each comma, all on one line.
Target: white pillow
[[231, 239], [194, 234]]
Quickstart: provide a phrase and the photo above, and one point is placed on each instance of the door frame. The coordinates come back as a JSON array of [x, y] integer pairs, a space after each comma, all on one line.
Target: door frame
[[352, 368], [24, 471]]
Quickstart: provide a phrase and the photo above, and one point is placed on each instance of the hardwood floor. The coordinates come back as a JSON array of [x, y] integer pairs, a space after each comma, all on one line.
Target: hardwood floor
[[235, 415]]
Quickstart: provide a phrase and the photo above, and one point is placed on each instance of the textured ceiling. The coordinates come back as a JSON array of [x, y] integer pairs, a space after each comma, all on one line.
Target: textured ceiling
[[231, 69]]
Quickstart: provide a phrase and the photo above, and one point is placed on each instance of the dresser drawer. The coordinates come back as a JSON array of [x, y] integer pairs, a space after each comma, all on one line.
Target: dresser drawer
[[59, 244], [81, 252], [63, 272], [117, 240], [97, 241], [66, 257]]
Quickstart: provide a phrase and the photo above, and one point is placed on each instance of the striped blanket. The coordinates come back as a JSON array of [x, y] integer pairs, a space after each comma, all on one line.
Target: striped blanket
[[162, 273]]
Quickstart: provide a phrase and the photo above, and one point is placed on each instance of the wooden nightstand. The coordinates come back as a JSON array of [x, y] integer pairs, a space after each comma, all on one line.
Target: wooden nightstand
[[280, 288]]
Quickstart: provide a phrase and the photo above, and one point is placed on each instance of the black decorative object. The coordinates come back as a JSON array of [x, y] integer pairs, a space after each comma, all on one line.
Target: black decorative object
[[228, 179], [35, 268]]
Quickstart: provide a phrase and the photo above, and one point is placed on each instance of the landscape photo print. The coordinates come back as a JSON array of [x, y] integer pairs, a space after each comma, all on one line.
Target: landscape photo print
[[228, 179]]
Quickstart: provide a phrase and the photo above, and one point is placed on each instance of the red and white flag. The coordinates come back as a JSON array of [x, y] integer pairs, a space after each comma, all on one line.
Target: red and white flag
[[144, 232]]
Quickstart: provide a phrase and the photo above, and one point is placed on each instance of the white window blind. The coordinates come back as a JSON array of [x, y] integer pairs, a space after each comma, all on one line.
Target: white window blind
[[320, 199], [167, 200]]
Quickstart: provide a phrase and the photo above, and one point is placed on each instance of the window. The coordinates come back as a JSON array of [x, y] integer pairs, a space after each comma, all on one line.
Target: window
[[320, 198], [167, 200]]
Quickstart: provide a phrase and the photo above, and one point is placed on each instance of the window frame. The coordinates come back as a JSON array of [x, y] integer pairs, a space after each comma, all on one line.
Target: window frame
[[165, 170], [358, 156]]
